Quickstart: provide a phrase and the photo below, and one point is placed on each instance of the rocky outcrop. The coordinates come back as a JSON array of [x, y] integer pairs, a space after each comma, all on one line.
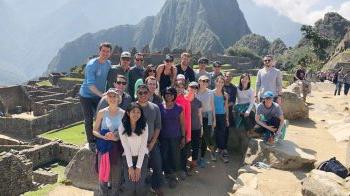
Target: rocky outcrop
[[255, 43], [286, 155], [81, 170], [322, 183], [293, 106], [196, 25]]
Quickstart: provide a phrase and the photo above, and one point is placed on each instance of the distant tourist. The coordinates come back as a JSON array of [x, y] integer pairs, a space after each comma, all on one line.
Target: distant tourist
[[269, 78], [208, 117], [269, 118], [244, 118], [185, 69], [119, 83], [136, 72], [133, 133], [300, 74], [182, 101], [338, 80], [153, 119], [152, 85], [216, 73], [222, 119], [150, 71], [108, 145], [202, 66], [346, 83], [166, 73], [121, 69], [172, 134], [93, 87]]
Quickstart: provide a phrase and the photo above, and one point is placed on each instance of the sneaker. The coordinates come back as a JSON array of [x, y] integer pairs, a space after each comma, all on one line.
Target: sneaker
[[201, 162], [213, 155], [223, 158], [225, 153], [182, 175], [172, 183], [157, 192]]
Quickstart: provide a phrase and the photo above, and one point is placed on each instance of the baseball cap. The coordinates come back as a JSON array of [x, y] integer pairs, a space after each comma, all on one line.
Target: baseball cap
[[217, 64], [203, 60], [268, 94], [193, 84], [180, 77], [112, 91], [125, 54], [168, 57], [203, 77]]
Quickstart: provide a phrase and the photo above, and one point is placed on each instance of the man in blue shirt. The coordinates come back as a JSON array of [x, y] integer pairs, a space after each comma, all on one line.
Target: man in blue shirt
[[93, 87]]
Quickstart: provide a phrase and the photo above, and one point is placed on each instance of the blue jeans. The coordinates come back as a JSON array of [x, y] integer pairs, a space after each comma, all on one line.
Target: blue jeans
[[169, 149], [346, 88], [155, 162], [338, 87], [221, 131]]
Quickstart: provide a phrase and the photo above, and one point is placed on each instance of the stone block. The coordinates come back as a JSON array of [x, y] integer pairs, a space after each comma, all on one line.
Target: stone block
[[44, 177]]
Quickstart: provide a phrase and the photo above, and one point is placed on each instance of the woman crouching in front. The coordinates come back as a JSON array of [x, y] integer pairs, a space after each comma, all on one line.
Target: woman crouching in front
[[134, 134]]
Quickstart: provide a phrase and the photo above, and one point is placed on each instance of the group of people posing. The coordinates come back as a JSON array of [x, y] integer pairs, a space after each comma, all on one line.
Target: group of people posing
[[155, 118]]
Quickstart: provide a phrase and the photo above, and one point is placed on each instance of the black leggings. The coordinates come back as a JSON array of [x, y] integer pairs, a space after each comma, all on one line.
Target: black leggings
[[195, 143]]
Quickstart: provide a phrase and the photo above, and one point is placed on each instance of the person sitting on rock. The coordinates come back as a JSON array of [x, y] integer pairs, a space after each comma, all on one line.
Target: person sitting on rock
[[133, 133], [108, 145], [269, 118]]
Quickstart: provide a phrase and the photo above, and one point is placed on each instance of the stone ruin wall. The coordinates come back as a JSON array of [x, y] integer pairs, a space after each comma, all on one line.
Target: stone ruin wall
[[14, 96]]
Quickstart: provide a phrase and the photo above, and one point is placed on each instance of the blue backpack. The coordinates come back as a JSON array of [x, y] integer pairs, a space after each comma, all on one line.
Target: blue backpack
[[334, 166]]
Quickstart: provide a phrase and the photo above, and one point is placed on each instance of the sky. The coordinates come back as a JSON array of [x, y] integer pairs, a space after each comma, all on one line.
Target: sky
[[307, 11]]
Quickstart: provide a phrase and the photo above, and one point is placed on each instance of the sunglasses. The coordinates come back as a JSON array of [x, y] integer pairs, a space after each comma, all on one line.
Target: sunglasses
[[120, 82], [204, 81], [125, 59], [138, 59], [268, 60], [142, 93]]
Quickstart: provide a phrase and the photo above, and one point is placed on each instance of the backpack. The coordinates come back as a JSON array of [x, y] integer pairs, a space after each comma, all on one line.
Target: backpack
[[334, 166]]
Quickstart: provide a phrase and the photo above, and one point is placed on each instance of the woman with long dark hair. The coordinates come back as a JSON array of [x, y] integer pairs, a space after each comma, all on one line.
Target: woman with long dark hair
[[134, 135], [108, 145], [222, 118]]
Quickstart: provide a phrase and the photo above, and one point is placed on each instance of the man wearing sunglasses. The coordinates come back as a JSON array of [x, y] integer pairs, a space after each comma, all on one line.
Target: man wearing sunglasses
[[152, 112], [136, 72], [119, 83], [269, 79], [121, 69]]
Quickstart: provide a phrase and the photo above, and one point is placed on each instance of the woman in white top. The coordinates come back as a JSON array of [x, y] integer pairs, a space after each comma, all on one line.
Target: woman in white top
[[244, 117], [133, 134]]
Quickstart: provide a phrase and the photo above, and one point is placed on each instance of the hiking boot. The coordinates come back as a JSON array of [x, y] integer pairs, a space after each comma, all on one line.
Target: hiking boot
[[213, 155]]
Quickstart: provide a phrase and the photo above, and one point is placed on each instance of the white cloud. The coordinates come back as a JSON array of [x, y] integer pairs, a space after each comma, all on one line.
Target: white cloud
[[302, 11]]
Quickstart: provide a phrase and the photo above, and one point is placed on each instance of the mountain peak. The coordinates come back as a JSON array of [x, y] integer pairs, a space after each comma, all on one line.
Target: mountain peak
[[196, 25]]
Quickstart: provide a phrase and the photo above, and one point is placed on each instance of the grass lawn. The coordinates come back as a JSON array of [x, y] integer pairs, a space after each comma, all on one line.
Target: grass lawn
[[45, 190], [72, 79], [74, 134]]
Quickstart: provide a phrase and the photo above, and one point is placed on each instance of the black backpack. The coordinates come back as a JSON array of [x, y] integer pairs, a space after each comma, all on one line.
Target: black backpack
[[334, 166]]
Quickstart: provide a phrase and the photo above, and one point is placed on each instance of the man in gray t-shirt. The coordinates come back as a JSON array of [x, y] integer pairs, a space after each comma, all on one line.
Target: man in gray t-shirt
[[269, 117], [152, 113]]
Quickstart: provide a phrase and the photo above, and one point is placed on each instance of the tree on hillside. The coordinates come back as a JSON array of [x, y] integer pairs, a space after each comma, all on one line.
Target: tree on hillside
[[319, 42], [133, 51]]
